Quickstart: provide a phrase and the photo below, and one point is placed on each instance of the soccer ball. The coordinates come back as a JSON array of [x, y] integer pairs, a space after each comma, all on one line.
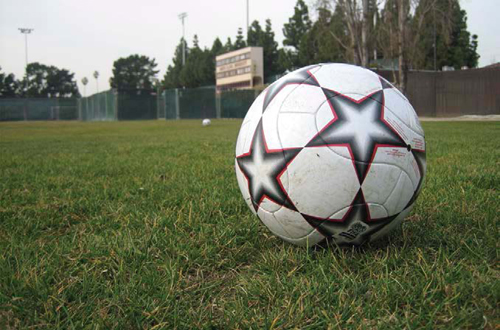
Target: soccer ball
[[330, 151], [206, 122]]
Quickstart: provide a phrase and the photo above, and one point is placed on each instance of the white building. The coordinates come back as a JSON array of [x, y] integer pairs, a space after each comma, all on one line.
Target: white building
[[240, 69]]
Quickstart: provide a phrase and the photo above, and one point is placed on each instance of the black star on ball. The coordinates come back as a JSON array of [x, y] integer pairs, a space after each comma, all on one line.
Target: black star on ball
[[301, 76], [352, 228], [360, 126], [263, 168]]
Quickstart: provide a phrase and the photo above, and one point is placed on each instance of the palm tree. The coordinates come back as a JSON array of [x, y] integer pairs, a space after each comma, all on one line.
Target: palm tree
[[85, 81], [96, 75]]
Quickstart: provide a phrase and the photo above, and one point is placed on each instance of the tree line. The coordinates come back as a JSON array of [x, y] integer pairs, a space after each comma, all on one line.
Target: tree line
[[40, 80], [401, 34]]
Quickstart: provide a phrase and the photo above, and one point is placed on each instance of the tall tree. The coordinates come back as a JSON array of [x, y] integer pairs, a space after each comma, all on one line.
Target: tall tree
[[270, 51], [9, 85], [358, 19], [386, 33], [265, 39], [172, 76], [61, 83], [49, 81], [287, 59], [255, 35], [455, 46], [240, 40], [199, 69], [403, 10], [217, 47], [134, 74], [228, 46], [411, 30], [318, 45], [298, 25], [340, 35]]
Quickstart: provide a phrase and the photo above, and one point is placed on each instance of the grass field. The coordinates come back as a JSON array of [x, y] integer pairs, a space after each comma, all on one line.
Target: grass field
[[132, 225]]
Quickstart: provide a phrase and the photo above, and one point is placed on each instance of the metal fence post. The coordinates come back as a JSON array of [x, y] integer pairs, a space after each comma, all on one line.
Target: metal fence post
[[25, 110], [58, 110], [177, 107], [105, 105], [157, 102], [79, 105], [115, 92], [164, 98], [218, 109]]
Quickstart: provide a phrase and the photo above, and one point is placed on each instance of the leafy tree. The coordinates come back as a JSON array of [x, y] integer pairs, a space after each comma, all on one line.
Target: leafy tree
[[49, 81], [386, 31], [217, 47], [9, 85], [340, 33], [172, 76], [321, 43], [36, 77], [61, 83], [228, 46], [287, 59], [265, 39], [472, 57], [454, 44], [240, 40], [270, 51], [199, 69], [134, 73], [255, 34], [358, 19], [298, 25]]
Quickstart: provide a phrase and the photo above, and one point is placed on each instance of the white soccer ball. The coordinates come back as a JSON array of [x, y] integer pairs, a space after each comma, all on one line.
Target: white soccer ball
[[206, 122], [330, 151]]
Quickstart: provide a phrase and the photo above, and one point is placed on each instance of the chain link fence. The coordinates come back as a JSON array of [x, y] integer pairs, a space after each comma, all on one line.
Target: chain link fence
[[15, 109], [204, 102], [435, 94], [186, 103], [113, 105], [98, 107], [235, 104]]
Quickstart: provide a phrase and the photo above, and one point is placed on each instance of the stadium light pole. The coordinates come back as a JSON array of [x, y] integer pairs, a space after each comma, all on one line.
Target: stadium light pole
[[26, 31], [182, 16], [248, 22]]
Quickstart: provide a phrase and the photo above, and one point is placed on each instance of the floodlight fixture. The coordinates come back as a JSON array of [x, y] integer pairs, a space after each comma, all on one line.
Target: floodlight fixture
[[26, 31]]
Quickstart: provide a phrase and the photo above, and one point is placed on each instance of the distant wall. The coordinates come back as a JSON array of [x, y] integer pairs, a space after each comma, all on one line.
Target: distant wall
[[453, 93]]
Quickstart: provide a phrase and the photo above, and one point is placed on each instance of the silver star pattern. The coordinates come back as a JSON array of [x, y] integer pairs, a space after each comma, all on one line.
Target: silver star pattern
[[360, 126], [263, 168]]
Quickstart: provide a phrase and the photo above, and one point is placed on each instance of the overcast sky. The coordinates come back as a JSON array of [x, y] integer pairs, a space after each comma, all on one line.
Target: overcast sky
[[84, 36]]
